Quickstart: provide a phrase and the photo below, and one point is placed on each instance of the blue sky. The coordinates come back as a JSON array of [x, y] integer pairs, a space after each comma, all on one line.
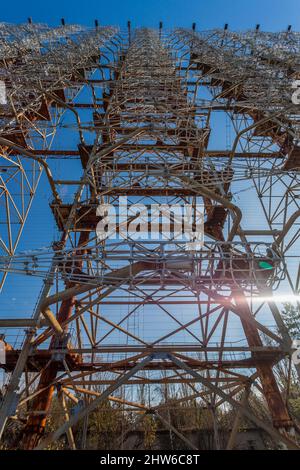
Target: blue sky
[[273, 15]]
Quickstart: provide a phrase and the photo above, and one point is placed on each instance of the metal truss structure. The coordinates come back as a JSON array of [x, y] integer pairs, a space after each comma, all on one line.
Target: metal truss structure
[[39, 67], [148, 111]]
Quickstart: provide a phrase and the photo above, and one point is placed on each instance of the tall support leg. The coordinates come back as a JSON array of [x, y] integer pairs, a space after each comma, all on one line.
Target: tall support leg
[[35, 427], [36, 424], [11, 397], [279, 412]]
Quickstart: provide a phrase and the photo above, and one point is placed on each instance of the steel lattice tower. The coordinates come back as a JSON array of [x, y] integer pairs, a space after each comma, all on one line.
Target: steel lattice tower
[[116, 315]]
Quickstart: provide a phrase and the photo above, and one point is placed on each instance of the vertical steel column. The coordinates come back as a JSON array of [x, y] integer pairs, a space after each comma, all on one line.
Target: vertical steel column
[[277, 407], [36, 424]]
